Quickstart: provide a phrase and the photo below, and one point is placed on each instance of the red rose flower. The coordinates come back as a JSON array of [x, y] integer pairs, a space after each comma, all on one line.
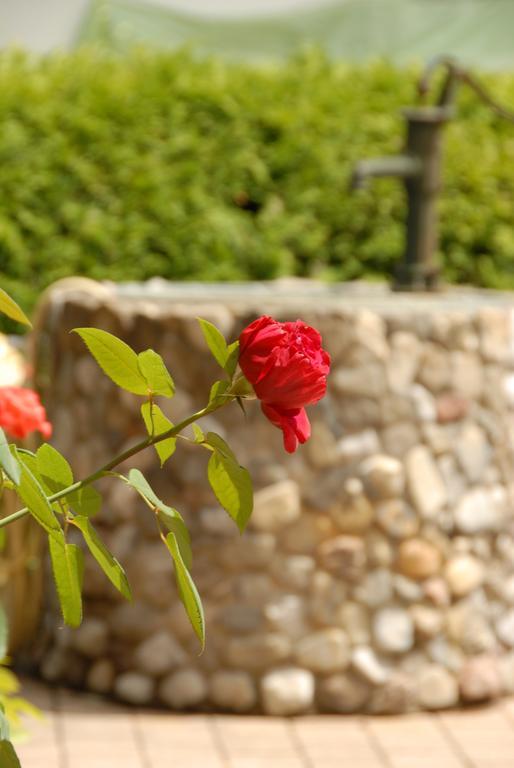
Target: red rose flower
[[21, 412], [287, 367]]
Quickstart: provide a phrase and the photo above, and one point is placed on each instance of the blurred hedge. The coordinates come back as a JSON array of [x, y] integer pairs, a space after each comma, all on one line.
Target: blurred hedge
[[161, 164]]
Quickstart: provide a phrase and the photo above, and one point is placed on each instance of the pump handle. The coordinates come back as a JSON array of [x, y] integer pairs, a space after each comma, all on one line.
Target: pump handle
[[457, 74]]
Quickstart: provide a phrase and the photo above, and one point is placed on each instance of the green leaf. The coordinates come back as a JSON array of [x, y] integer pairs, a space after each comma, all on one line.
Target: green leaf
[[31, 492], [105, 559], [53, 468], [56, 474], [9, 683], [175, 524], [117, 360], [217, 442], [198, 433], [225, 356], [139, 482], [230, 482], [187, 589], [218, 389], [168, 516], [7, 461], [85, 501], [156, 374], [9, 307], [29, 459], [17, 706], [232, 358], [5, 731], [68, 569], [8, 757], [4, 633], [156, 424]]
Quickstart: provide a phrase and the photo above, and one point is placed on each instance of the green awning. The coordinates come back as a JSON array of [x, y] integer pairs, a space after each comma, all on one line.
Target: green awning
[[479, 32]]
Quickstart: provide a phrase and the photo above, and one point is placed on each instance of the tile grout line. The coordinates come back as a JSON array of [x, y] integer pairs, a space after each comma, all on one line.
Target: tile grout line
[[217, 738], [59, 730], [374, 742], [452, 742], [140, 740], [298, 744]]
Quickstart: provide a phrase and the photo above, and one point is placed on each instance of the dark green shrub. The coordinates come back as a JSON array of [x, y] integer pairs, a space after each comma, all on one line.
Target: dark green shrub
[[160, 164]]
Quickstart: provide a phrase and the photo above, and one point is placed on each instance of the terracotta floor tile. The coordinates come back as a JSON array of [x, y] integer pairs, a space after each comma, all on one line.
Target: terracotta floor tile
[[86, 732]]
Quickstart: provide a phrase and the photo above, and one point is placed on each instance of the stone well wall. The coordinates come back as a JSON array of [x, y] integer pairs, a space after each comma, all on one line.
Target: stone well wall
[[377, 571]]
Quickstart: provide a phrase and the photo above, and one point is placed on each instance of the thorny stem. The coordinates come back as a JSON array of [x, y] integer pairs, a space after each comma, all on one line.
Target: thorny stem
[[148, 441]]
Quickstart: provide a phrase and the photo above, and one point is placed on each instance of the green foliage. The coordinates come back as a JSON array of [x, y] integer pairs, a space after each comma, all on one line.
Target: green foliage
[[178, 543], [5, 731], [156, 423], [218, 391], [163, 164], [30, 490], [143, 374], [9, 307], [187, 589], [44, 480], [105, 559], [68, 570], [230, 482], [170, 520], [199, 436], [8, 462], [48, 472], [55, 474], [168, 516], [157, 376], [53, 469], [8, 757], [116, 359], [12, 709], [226, 355], [85, 501]]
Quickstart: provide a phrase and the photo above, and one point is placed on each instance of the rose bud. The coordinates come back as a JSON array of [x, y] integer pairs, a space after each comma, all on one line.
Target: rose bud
[[21, 412], [287, 367]]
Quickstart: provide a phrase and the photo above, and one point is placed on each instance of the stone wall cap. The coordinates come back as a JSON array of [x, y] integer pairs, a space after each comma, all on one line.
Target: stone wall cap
[[298, 293]]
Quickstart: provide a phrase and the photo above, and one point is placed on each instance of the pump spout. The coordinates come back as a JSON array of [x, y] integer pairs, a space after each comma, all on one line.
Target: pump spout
[[401, 167]]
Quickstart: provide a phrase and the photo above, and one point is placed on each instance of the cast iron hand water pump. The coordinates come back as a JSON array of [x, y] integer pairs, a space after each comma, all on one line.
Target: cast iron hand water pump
[[420, 169]]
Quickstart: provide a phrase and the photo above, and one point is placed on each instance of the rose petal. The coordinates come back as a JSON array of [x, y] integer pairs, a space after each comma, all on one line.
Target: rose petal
[[294, 424]]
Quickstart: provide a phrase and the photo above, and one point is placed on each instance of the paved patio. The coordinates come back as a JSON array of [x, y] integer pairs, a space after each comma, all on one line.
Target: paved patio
[[85, 732]]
